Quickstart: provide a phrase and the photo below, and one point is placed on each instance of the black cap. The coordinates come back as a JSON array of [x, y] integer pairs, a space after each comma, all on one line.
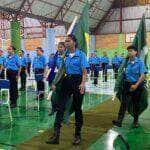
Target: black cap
[[132, 47]]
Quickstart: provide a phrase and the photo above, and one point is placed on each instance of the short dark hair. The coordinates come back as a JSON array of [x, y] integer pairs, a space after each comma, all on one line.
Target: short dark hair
[[40, 48], [74, 39], [61, 43], [132, 47], [13, 47]]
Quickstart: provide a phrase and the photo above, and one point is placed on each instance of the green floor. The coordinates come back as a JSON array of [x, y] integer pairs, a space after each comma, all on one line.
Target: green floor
[[127, 137], [29, 123]]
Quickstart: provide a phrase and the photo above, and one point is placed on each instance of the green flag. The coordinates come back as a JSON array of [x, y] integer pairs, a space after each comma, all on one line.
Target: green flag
[[81, 30], [140, 40], [15, 35]]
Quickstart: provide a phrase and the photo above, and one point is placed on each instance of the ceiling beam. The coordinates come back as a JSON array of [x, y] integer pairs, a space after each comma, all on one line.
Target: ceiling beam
[[30, 15], [22, 5], [104, 18], [63, 9], [13, 2], [93, 3]]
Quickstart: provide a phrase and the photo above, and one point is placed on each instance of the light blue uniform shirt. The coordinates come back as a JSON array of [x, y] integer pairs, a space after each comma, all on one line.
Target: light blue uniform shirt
[[121, 59], [90, 60], [75, 64], [2, 60], [28, 59], [23, 61], [39, 62], [94, 60], [12, 62], [59, 61], [134, 70], [105, 59], [115, 60]]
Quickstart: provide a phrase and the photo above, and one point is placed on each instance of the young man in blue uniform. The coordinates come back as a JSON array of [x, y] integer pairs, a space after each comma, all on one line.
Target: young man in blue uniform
[[116, 62], [2, 60], [96, 66], [28, 59], [23, 73], [13, 67], [73, 84], [39, 65], [105, 63], [134, 75]]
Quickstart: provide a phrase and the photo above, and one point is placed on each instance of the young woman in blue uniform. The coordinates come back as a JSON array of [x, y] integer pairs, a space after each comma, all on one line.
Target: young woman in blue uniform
[[55, 62], [116, 62], [39, 65], [54, 65], [13, 68], [134, 75], [73, 84]]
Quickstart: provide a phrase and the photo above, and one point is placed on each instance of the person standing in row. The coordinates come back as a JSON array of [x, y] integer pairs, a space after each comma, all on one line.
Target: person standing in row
[[105, 63], [96, 66], [28, 59], [54, 66], [133, 84], [23, 73], [13, 68], [2, 60], [73, 84], [39, 65], [116, 62]]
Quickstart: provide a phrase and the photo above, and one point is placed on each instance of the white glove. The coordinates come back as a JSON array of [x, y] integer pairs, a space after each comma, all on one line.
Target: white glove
[[47, 73], [49, 95], [114, 96]]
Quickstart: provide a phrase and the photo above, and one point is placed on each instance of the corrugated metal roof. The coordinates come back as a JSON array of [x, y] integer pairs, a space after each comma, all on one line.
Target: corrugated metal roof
[[62, 10]]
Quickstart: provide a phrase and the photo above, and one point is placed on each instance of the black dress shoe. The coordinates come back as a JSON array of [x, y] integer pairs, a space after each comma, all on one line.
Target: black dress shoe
[[135, 125], [117, 123], [51, 112], [76, 140], [13, 105], [53, 140]]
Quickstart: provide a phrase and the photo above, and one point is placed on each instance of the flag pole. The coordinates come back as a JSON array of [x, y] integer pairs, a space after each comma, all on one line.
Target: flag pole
[[72, 25]]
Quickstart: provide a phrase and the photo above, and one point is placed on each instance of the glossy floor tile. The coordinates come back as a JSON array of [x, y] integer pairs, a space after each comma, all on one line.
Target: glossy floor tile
[[28, 122], [127, 137]]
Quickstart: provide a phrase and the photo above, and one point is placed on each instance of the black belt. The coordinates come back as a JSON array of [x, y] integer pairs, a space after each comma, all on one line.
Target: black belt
[[73, 75], [129, 82], [12, 70]]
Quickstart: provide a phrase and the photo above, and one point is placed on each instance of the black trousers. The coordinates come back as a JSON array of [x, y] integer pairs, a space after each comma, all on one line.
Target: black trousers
[[13, 91], [70, 86], [130, 96], [2, 74], [104, 67], [39, 80], [92, 71], [115, 69], [96, 74], [23, 77], [28, 67]]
